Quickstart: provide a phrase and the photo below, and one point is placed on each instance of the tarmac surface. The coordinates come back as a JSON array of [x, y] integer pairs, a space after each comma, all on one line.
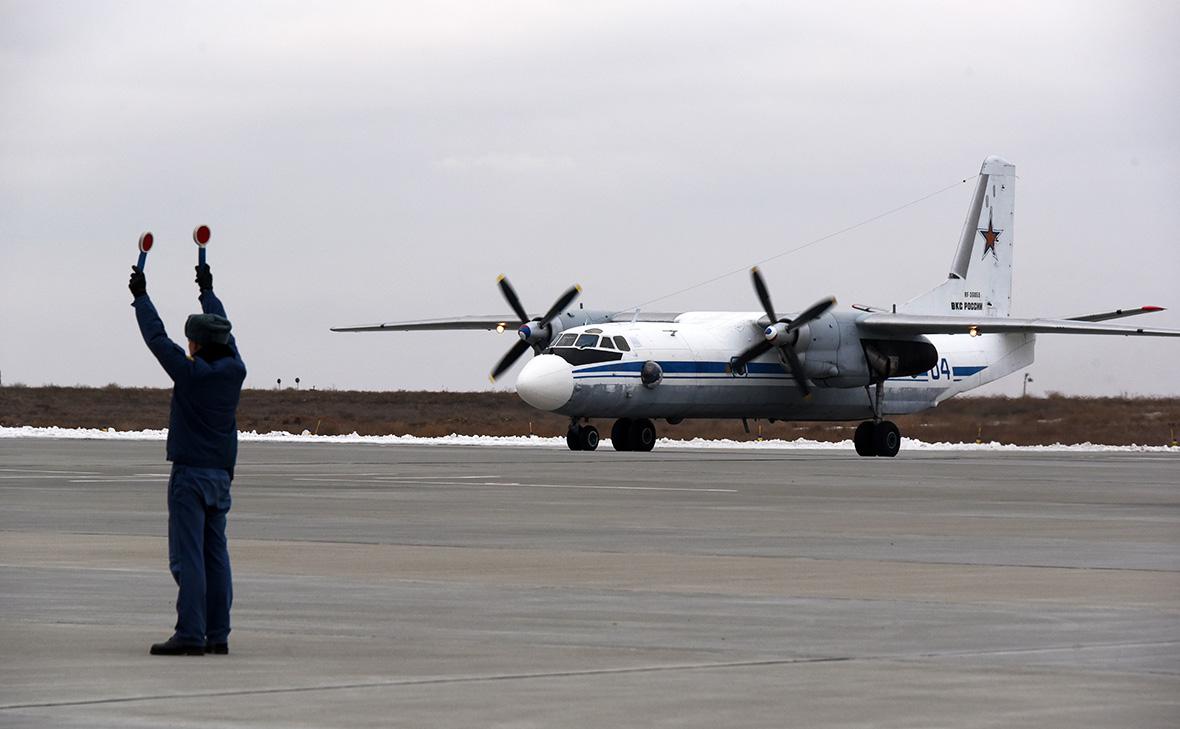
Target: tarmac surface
[[439, 586]]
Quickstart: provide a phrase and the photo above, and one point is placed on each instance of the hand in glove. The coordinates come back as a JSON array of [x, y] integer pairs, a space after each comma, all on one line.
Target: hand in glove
[[204, 277], [138, 283]]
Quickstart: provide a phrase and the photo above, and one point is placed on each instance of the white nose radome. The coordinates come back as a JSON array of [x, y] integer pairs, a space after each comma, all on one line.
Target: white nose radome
[[546, 382]]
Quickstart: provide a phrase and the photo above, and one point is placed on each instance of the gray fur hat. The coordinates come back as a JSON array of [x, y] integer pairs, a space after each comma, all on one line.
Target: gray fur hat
[[207, 329]]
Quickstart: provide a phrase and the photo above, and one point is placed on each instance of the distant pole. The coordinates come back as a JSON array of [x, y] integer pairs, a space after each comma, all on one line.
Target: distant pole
[[279, 384], [1027, 379], [296, 383]]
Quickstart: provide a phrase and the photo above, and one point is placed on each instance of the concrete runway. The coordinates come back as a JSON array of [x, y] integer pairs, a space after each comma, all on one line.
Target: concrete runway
[[458, 587]]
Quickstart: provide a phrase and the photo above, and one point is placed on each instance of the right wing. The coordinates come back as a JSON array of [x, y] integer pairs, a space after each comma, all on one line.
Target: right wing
[[910, 324], [422, 325]]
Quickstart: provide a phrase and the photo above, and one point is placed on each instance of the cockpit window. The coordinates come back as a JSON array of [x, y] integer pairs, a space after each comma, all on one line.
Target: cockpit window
[[565, 340], [622, 344], [606, 344], [587, 340]]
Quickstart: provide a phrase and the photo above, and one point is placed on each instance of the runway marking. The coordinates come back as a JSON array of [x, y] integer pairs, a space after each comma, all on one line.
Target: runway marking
[[433, 681], [38, 470], [394, 683], [613, 488], [522, 485], [376, 476], [125, 479]]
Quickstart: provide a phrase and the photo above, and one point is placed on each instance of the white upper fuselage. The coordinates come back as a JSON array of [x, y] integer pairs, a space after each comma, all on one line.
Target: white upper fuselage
[[580, 375]]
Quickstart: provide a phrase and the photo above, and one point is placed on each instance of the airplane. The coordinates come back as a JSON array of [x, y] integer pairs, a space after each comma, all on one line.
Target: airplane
[[820, 364]]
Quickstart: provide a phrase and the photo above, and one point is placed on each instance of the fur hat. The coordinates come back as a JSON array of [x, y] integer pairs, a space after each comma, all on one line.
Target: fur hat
[[207, 329]]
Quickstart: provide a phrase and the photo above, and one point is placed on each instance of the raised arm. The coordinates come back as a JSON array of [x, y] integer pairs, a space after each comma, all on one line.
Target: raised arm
[[171, 357], [210, 304]]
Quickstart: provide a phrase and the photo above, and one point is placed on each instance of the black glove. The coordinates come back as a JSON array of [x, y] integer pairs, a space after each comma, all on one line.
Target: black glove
[[204, 277], [138, 283]]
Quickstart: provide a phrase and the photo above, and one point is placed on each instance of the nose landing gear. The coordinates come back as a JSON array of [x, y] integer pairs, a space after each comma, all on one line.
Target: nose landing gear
[[581, 437]]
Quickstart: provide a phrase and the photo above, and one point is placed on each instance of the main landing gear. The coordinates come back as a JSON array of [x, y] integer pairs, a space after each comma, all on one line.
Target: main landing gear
[[626, 434], [877, 437]]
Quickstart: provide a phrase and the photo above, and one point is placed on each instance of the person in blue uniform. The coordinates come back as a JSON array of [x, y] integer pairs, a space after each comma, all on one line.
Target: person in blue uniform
[[203, 448]]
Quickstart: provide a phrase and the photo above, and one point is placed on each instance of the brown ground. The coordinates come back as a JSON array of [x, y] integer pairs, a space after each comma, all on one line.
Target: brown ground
[[1056, 419]]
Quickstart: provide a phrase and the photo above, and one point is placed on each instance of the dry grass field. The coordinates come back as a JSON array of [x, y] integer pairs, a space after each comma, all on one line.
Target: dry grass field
[[1021, 421]]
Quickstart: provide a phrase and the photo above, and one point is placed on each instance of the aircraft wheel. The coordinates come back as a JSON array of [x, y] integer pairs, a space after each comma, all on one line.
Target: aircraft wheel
[[620, 434], [588, 438], [863, 439], [886, 439], [642, 435], [572, 439]]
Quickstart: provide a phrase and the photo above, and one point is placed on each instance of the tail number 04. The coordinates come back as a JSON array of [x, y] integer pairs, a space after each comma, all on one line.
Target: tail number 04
[[942, 370]]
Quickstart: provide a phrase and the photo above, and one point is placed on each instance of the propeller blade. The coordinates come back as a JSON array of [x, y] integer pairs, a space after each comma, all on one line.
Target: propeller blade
[[814, 311], [743, 359], [513, 301], [510, 358], [559, 306], [763, 294], [796, 367]]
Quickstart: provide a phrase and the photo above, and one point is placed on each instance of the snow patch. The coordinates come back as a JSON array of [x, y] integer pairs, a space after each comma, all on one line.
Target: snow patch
[[537, 441]]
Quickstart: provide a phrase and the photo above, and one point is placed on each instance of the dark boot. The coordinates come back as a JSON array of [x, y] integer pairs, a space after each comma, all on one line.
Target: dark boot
[[174, 647], [217, 649]]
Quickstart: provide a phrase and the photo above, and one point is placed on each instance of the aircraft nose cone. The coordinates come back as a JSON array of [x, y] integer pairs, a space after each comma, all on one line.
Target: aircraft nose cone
[[546, 382]]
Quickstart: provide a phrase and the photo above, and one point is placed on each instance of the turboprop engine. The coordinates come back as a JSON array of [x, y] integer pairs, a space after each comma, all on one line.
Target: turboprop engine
[[535, 334], [789, 337]]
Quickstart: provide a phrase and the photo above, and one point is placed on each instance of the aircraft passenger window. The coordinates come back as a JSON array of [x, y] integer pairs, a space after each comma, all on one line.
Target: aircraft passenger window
[[605, 343], [622, 344], [565, 340], [587, 340]]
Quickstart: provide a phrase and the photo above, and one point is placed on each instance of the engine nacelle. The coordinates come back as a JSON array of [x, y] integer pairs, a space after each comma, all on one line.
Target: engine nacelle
[[834, 354], [899, 358]]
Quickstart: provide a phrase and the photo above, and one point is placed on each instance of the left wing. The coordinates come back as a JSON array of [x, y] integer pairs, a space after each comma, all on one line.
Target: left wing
[[1117, 314], [911, 324], [420, 325]]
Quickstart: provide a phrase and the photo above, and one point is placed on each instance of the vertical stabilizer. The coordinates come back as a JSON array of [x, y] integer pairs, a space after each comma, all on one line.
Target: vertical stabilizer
[[980, 278]]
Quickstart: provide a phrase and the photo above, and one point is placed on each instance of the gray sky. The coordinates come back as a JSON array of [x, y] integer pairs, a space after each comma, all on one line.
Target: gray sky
[[365, 163]]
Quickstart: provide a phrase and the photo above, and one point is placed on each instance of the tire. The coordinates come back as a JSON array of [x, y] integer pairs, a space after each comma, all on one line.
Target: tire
[[886, 439], [573, 440], [588, 438], [620, 434], [863, 439], [643, 435]]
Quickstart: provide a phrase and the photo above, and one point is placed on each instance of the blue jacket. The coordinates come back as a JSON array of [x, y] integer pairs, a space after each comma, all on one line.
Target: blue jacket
[[203, 426]]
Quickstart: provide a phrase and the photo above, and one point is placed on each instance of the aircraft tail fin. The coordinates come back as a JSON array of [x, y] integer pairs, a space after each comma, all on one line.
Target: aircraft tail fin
[[980, 279]]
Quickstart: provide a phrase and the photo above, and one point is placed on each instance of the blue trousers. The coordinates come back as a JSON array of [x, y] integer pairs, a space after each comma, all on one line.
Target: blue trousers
[[198, 500]]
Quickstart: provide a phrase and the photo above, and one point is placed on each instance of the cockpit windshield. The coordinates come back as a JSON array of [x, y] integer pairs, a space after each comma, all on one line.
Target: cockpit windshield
[[565, 340], [586, 340]]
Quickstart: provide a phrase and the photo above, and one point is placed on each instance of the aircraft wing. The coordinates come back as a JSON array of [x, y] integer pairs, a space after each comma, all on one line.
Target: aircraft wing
[[911, 324], [421, 325], [474, 323], [1117, 314]]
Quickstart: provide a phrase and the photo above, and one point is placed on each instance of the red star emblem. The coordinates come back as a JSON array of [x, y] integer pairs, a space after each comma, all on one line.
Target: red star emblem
[[990, 236]]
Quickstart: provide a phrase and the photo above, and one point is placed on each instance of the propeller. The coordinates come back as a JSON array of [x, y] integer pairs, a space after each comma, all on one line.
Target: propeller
[[533, 333], [781, 333]]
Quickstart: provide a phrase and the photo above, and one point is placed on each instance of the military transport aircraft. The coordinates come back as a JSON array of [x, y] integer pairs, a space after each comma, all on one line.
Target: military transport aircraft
[[819, 364]]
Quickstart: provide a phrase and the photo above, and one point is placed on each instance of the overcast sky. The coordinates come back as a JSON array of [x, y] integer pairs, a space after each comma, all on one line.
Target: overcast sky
[[379, 162]]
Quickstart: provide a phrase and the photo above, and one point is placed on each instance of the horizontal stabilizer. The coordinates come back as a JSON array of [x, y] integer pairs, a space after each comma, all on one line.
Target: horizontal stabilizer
[[1117, 314], [914, 324]]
